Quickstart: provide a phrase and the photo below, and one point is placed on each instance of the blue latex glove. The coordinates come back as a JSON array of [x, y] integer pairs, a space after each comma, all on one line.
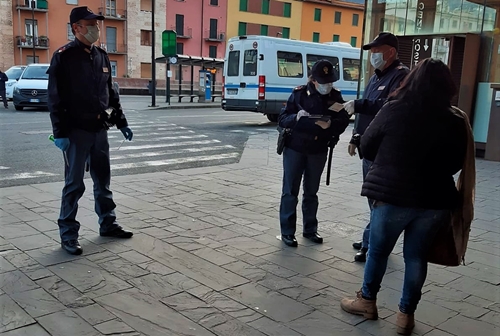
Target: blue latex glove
[[62, 143], [127, 133]]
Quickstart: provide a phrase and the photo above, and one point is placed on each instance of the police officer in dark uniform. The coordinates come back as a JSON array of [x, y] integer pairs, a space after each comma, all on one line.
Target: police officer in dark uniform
[[389, 73], [81, 96], [314, 113]]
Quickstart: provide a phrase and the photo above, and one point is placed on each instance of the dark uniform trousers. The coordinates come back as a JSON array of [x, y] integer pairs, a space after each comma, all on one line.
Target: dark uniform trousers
[[296, 165], [95, 147]]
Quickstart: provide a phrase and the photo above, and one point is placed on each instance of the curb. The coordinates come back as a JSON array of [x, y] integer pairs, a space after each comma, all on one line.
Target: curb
[[184, 107]]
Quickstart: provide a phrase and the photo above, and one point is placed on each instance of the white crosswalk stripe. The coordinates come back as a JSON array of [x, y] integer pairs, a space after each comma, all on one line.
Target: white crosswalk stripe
[[164, 144], [156, 146]]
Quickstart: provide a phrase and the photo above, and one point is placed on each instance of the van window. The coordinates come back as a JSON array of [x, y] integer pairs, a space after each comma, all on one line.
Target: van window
[[14, 73], [351, 69], [36, 72], [311, 59], [250, 63], [233, 63], [290, 64]]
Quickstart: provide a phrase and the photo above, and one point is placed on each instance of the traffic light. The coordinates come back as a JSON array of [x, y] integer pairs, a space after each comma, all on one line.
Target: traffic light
[[169, 43]]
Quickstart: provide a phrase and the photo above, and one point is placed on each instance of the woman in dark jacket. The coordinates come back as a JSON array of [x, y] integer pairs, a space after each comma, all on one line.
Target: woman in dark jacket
[[305, 151], [417, 143]]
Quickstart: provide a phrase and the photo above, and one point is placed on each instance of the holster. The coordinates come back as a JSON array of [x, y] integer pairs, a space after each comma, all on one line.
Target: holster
[[284, 133]]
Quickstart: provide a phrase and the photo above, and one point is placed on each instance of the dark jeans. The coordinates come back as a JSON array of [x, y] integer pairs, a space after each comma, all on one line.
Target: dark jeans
[[366, 232], [420, 227], [4, 97], [95, 147], [295, 165]]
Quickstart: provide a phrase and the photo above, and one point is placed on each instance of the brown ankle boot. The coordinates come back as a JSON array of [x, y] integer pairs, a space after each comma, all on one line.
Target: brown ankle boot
[[405, 323], [360, 306]]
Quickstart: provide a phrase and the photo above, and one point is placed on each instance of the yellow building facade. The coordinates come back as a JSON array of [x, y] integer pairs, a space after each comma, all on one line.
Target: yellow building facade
[[331, 21], [278, 18]]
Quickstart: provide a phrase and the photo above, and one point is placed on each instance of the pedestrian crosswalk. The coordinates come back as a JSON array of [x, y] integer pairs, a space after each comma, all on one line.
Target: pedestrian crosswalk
[[164, 144], [157, 145]]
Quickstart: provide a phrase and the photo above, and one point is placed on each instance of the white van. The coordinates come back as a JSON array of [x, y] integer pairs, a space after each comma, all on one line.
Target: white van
[[260, 72], [31, 88]]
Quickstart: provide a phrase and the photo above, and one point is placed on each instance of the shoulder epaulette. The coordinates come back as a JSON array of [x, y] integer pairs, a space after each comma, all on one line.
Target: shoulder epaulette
[[100, 49], [402, 67], [300, 87], [64, 48]]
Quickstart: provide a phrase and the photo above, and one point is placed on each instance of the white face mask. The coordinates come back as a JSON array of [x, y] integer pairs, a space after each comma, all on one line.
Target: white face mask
[[377, 60], [93, 33], [324, 89]]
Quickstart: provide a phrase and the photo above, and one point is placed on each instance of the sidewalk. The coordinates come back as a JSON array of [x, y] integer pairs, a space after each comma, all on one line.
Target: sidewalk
[[205, 259], [140, 103]]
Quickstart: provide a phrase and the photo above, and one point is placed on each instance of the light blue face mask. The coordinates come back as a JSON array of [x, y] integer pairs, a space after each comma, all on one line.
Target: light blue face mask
[[324, 89], [377, 60]]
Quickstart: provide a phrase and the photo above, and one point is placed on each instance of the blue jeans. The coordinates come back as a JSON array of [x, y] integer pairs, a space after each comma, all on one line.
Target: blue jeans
[[387, 224], [93, 146], [295, 165], [366, 232]]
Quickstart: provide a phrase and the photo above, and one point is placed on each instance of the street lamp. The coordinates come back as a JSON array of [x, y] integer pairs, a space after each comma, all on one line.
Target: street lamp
[[33, 28]]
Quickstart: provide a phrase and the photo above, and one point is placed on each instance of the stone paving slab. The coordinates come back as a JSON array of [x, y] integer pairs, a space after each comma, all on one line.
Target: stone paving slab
[[205, 259]]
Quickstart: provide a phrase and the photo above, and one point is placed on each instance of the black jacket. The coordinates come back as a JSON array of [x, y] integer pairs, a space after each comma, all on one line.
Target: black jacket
[[306, 136], [380, 86], [3, 79], [415, 155], [80, 89]]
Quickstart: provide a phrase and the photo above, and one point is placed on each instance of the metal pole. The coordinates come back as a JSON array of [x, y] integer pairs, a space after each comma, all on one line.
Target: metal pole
[[153, 63], [180, 79], [33, 29], [168, 82], [360, 73]]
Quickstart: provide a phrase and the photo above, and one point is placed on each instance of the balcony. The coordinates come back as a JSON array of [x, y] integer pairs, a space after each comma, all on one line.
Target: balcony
[[40, 5], [41, 42], [113, 13], [113, 48], [183, 33], [215, 36]]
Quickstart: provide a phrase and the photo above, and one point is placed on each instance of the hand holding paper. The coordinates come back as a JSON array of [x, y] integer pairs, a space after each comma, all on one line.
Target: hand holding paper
[[349, 107], [301, 114]]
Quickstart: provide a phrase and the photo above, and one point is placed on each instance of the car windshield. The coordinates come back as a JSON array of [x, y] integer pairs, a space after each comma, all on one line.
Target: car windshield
[[14, 73], [36, 72]]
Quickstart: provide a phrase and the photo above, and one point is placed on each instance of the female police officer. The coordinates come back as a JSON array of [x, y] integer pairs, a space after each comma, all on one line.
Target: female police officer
[[316, 122]]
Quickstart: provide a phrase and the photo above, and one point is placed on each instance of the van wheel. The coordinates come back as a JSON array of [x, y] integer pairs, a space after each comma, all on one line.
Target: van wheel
[[19, 108], [272, 117]]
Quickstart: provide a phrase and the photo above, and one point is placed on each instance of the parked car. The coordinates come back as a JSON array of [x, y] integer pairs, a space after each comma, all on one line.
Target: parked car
[[31, 88], [13, 73]]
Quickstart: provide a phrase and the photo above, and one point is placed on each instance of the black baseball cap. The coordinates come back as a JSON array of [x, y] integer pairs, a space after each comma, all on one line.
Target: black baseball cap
[[83, 13], [383, 39], [323, 72]]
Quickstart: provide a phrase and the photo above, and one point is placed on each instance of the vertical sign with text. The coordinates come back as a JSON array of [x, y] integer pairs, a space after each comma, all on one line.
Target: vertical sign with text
[[421, 49]]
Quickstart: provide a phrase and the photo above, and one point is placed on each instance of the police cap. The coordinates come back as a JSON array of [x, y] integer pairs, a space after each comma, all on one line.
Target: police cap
[[83, 13], [323, 72], [383, 39]]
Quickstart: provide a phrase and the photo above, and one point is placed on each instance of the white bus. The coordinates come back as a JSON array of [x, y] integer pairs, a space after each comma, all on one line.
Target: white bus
[[260, 72]]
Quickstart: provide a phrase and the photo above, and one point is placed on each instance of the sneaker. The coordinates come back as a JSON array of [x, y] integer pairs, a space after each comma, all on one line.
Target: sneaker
[[72, 246], [360, 306], [119, 232]]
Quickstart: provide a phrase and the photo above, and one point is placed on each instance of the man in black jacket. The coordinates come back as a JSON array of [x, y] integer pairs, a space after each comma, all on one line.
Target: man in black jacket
[[389, 73], [3, 80], [80, 96]]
